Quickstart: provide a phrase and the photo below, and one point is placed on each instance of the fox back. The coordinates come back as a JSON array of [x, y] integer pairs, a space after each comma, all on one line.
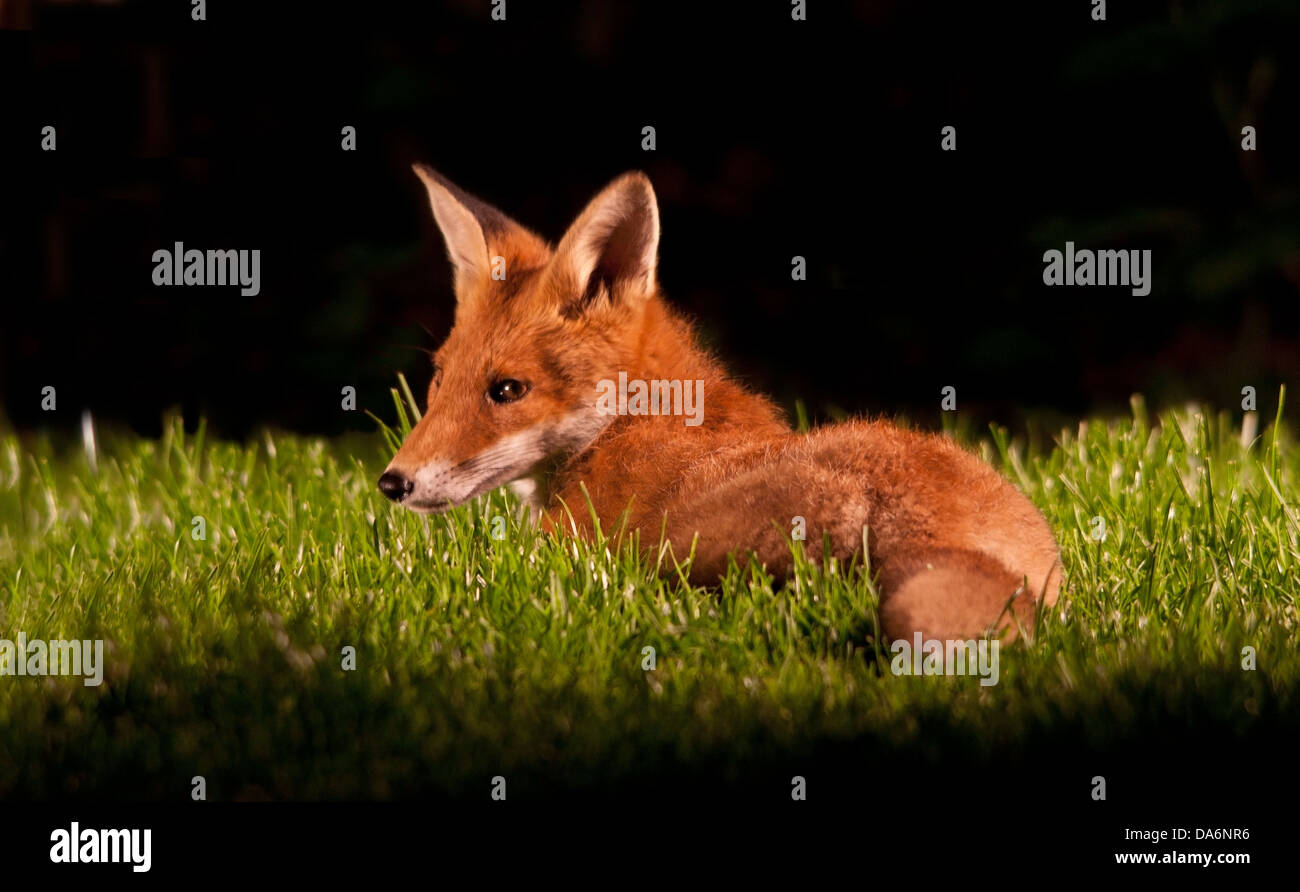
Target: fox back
[[568, 376]]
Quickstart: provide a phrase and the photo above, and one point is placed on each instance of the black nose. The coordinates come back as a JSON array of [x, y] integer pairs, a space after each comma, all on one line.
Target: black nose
[[395, 486]]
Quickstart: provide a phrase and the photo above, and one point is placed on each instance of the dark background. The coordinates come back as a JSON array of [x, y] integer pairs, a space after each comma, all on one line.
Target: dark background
[[775, 138]]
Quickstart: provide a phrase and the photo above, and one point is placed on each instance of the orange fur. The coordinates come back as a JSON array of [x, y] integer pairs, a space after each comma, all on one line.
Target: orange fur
[[952, 540]]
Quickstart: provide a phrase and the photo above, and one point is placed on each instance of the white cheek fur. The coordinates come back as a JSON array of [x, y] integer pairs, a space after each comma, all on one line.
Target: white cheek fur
[[440, 484]]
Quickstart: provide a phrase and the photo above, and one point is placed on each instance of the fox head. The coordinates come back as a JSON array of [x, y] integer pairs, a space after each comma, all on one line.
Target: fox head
[[514, 387]]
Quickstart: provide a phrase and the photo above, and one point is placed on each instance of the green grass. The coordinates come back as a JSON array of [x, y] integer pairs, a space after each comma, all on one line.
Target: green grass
[[522, 657]]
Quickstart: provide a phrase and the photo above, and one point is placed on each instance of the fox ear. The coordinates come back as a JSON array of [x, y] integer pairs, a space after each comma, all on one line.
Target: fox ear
[[468, 227], [611, 248]]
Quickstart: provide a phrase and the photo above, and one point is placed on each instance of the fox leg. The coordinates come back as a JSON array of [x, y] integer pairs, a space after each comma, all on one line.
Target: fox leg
[[943, 592], [953, 593], [759, 511]]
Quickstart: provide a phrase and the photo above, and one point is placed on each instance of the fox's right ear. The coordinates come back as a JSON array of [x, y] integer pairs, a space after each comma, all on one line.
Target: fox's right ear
[[472, 230], [611, 248]]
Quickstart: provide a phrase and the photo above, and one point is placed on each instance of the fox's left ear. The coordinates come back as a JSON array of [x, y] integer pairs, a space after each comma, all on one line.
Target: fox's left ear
[[611, 248], [474, 232]]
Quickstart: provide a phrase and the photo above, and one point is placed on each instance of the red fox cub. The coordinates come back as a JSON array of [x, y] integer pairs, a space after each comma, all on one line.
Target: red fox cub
[[565, 367]]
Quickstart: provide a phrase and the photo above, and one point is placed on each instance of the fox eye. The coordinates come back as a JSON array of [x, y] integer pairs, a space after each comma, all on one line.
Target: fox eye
[[507, 390]]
